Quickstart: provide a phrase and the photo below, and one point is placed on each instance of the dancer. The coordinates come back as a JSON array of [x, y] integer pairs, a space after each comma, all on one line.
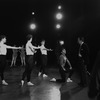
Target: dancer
[[43, 50], [30, 50], [3, 52], [63, 68], [22, 56], [14, 57]]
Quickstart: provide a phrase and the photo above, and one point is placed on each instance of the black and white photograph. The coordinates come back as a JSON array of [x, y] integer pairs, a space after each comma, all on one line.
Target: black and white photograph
[[49, 50]]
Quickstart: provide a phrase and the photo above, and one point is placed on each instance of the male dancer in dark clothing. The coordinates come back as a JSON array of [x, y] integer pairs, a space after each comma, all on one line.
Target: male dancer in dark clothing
[[44, 58], [30, 50], [83, 61], [3, 53]]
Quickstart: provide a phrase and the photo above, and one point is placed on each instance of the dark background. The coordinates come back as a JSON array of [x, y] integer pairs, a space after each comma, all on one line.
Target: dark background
[[81, 18]]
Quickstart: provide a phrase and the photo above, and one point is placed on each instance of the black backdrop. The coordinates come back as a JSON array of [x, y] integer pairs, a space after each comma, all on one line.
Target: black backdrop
[[81, 18]]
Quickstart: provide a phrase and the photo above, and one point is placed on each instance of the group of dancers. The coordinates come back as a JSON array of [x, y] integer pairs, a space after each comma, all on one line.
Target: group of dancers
[[30, 50]]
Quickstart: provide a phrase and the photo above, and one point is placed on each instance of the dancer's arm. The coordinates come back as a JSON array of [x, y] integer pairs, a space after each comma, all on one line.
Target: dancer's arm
[[12, 47], [33, 47], [47, 49], [33, 50], [40, 47]]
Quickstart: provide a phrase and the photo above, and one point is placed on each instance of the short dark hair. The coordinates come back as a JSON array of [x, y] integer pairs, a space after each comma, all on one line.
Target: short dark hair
[[29, 36], [63, 49], [2, 37], [81, 38], [60, 40], [42, 40]]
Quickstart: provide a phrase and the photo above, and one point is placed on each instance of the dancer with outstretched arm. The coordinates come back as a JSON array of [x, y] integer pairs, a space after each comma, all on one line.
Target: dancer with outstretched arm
[[3, 52], [30, 50], [44, 58]]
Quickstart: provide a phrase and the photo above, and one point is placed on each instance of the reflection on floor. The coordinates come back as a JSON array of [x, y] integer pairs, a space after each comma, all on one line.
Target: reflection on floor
[[43, 88]]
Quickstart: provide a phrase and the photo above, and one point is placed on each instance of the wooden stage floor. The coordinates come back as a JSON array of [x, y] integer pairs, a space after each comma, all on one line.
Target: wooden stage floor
[[43, 89]]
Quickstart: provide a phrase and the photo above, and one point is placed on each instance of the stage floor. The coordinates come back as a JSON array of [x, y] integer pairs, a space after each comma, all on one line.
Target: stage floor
[[43, 89]]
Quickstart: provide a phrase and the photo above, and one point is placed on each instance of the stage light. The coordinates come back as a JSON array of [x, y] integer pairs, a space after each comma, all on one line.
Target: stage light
[[33, 26], [59, 16], [33, 13], [59, 7], [58, 26], [61, 42]]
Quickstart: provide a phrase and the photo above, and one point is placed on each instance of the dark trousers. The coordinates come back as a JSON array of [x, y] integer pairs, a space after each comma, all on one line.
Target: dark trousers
[[82, 71], [28, 67], [63, 73], [2, 65], [43, 64]]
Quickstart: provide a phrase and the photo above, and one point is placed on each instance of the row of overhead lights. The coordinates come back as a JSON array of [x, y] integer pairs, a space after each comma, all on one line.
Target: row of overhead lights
[[58, 16]]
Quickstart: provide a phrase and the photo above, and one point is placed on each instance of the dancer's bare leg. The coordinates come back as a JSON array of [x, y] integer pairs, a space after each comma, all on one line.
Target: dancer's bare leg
[[12, 62]]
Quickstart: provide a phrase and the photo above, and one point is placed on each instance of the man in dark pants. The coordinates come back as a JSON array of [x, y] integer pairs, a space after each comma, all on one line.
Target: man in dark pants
[[44, 58], [83, 61], [30, 50], [3, 53]]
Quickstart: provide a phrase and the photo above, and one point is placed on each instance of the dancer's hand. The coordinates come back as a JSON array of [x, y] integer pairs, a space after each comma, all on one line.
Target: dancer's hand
[[20, 47], [50, 50], [39, 47], [64, 69], [79, 55], [70, 68], [35, 51]]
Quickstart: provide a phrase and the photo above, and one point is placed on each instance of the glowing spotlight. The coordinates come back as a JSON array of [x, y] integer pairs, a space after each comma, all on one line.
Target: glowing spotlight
[[59, 16], [61, 42], [33, 13], [59, 7], [32, 26], [58, 26]]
